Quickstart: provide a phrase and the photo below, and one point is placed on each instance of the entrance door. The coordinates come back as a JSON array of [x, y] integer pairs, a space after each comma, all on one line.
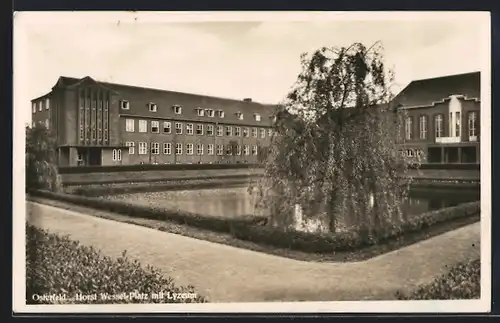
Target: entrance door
[[94, 156]]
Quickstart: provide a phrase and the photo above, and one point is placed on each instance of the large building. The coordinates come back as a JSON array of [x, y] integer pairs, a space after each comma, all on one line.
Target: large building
[[443, 119], [100, 123]]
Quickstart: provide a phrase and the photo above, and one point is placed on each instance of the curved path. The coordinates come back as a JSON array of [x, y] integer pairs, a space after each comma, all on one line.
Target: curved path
[[229, 274]]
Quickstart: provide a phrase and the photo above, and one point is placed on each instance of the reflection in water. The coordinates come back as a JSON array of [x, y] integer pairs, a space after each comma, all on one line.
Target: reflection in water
[[234, 202]]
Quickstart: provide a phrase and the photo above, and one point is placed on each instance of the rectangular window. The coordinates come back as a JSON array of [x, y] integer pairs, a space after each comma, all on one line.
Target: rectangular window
[[220, 113], [229, 131], [167, 127], [220, 150], [269, 132], [210, 149], [257, 117], [47, 124], [472, 120], [457, 124], [199, 149], [143, 148], [246, 150], [178, 128], [143, 126], [438, 124], [219, 131], [177, 109], [155, 148], [254, 132], [167, 148], [189, 149], [450, 125], [423, 127], [189, 128], [245, 132], [210, 130], [210, 113], [152, 107], [178, 149], [33, 106], [124, 105], [199, 129], [238, 150], [254, 150], [155, 126], [229, 150], [239, 115], [409, 128], [40, 106], [117, 154], [47, 104], [200, 112], [237, 131], [131, 146], [263, 133]]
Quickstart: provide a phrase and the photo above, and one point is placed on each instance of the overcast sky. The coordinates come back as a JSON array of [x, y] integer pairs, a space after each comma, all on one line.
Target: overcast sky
[[234, 55]]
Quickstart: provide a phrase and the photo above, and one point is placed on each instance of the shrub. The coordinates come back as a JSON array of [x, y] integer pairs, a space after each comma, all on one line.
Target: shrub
[[56, 265], [463, 281], [348, 241], [147, 167]]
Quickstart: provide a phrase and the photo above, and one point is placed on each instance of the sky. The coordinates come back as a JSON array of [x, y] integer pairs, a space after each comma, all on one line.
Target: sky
[[233, 55]]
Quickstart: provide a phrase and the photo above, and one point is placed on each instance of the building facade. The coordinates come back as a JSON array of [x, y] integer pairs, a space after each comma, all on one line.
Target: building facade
[[99, 123], [442, 122]]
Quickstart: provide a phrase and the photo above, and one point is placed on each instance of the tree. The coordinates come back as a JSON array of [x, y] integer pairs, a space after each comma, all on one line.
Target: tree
[[41, 159], [334, 149]]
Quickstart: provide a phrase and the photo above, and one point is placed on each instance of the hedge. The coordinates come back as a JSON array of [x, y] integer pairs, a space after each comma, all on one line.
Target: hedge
[[58, 266], [456, 166], [149, 167], [217, 224], [348, 241], [254, 229], [463, 281]]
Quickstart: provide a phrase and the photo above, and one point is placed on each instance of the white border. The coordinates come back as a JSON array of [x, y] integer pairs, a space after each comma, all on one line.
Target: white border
[[21, 75]]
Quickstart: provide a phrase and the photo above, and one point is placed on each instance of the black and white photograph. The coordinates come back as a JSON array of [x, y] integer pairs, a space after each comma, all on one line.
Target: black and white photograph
[[253, 162]]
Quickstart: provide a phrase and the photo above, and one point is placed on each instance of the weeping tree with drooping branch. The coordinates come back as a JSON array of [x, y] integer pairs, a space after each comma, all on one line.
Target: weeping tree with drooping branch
[[41, 159], [334, 147]]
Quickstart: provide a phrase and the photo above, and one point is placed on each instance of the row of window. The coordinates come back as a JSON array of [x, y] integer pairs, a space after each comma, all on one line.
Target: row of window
[[46, 123], [117, 154], [153, 107], [190, 149], [439, 125], [40, 105], [412, 153], [200, 129]]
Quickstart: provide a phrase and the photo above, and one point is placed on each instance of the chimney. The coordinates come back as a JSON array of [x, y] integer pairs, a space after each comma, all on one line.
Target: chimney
[[247, 99]]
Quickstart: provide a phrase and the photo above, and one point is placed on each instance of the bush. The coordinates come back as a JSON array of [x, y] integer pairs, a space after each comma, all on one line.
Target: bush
[[463, 281], [147, 167], [348, 241], [56, 265]]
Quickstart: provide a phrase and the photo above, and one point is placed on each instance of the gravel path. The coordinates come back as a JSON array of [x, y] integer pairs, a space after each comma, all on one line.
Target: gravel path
[[228, 274]]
